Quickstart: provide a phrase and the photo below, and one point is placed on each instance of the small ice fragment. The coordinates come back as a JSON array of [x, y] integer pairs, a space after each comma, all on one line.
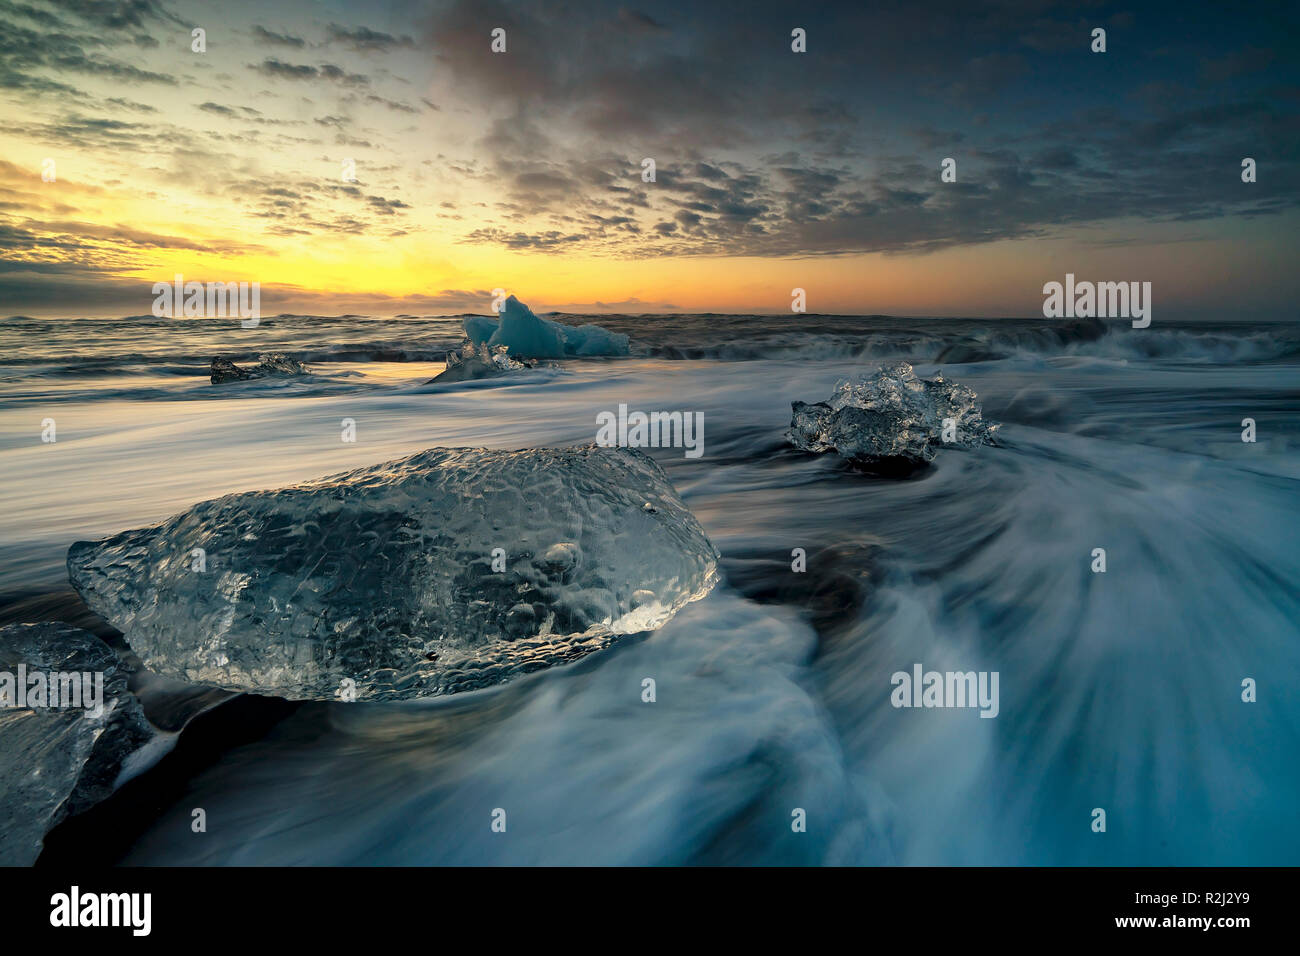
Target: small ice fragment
[[269, 364], [891, 418]]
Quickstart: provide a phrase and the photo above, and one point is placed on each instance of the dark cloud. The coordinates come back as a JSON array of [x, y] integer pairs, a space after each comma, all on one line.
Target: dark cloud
[[391, 104], [102, 133], [70, 288], [23, 51], [302, 207], [365, 40], [271, 38], [1057, 157], [218, 109], [13, 80], [639, 21], [298, 71], [760, 151], [118, 14], [291, 71], [543, 181], [127, 235], [385, 207], [131, 105], [26, 11], [331, 72], [522, 240]]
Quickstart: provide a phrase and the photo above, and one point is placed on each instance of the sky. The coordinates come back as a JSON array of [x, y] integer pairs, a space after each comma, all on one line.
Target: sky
[[524, 170]]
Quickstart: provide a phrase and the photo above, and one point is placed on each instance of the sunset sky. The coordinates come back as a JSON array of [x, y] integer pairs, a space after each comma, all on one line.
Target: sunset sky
[[522, 170]]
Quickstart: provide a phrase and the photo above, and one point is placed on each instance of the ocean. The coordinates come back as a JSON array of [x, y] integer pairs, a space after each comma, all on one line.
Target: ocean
[[1119, 690]]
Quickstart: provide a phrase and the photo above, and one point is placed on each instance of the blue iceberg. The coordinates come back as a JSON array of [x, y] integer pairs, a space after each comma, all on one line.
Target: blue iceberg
[[526, 336]]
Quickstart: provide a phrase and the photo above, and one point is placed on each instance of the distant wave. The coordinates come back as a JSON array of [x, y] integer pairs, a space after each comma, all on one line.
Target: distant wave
[[34, 350], [996, 341], [196, 363]]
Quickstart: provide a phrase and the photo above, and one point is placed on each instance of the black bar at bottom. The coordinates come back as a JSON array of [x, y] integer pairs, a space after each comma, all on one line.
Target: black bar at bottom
[[335, 906]]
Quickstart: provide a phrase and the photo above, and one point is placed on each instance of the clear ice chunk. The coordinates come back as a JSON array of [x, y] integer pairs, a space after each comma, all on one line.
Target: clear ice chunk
[[472, 362], [269, 365], [453, 569], [892, 417], [60, 761]]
